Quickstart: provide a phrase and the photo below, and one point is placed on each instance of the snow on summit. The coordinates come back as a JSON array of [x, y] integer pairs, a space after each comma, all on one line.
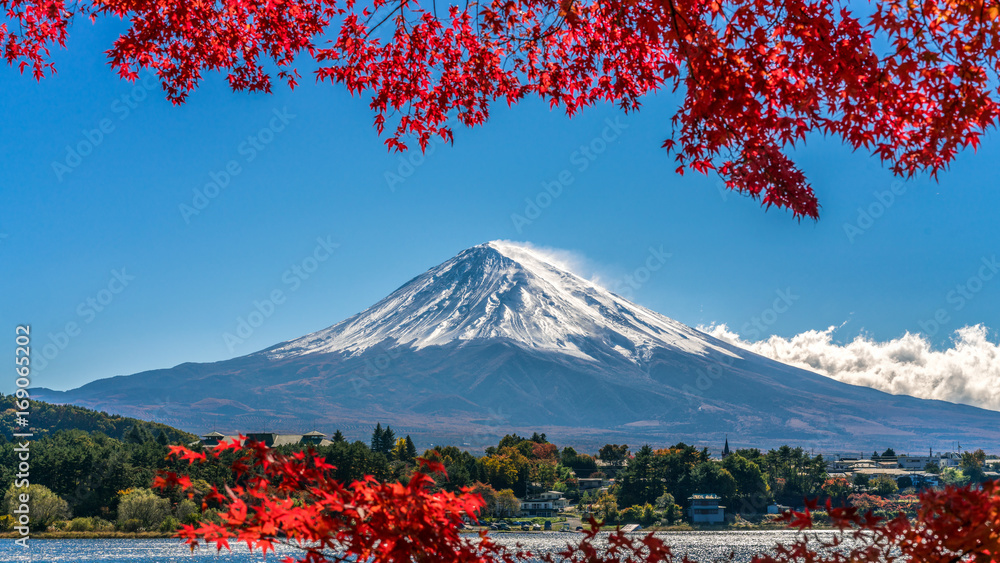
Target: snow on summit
[[505, 291]]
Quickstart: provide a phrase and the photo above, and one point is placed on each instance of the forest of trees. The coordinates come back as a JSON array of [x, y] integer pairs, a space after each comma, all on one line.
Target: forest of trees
[[101, 476], [47, 418]]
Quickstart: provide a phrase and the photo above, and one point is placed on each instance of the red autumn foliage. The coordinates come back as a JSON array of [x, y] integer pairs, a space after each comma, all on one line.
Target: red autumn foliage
[[908, 80], [294, 499], [864, 502], [952, 525], [544, 451]]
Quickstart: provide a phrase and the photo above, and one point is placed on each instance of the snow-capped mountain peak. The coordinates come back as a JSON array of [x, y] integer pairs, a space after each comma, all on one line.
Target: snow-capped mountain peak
[[506, 291]]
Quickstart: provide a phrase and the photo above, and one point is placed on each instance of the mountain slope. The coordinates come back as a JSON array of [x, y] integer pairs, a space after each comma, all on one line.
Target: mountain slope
[[500, 290], [500, 338]]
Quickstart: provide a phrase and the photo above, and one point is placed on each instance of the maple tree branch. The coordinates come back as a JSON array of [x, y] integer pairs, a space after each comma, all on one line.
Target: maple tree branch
[[387, 16]]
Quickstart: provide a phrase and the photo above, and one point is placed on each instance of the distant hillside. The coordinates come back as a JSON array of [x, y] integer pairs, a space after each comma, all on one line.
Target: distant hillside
[[46, 418]]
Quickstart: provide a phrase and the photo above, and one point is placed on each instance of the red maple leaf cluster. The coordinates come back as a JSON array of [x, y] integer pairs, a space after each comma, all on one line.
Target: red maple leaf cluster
[[952, 525], [909, 80], [294, 499]]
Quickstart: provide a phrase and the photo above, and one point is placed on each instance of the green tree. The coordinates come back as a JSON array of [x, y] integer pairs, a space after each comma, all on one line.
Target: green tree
[[711, 477], [567, 456], [606, 508], [669, 508], [675, 466], [641, 481], [355, 460], [884, 486], [793, 474], [507, 469], [187, 512], [88, 470], [973, 466], [142, 506], [664, 501], [138, 434], [383, 440], [952, 476], [338, 437], [889, 452], [615, 454], [44, 506], [751, 485], [544, 473], [411, 449], [507, 504], [378, 438], [510, 441], [388, 440], [581, 464]]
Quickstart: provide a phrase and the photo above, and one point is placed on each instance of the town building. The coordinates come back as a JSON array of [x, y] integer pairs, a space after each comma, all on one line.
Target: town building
[[917, 462], [590, 484], [546, 505], [212, 439], [270, 439], [705, 509]]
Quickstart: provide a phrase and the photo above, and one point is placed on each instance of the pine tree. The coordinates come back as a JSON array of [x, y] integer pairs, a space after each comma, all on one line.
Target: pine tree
[[378, 438], [338, 437], [137, 435], [388, 440], [411, 450], [162, 438]]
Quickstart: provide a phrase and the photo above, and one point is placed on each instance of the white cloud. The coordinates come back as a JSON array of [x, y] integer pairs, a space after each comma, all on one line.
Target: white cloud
[[571, 261], [968, 372]]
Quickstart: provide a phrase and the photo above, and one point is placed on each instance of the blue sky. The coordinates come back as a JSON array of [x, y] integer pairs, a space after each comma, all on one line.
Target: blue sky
[[70, 233]]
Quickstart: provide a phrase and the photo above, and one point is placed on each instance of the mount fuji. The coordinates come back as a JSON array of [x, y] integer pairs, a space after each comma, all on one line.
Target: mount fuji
[[500, 338]]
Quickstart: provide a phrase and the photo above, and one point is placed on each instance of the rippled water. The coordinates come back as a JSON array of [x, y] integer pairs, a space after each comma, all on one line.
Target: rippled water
[[702, 546]]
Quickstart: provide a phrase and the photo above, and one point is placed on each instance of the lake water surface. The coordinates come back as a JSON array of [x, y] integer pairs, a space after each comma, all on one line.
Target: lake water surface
[[701, 546]]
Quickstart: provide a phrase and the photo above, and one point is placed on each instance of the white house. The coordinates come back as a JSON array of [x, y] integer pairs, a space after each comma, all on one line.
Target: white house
[[544, 504], [705, 509], [538, 507], [558, 501]]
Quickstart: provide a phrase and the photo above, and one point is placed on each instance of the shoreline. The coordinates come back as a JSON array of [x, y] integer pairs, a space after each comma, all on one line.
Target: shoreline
[[473, 530], [90, 535]]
